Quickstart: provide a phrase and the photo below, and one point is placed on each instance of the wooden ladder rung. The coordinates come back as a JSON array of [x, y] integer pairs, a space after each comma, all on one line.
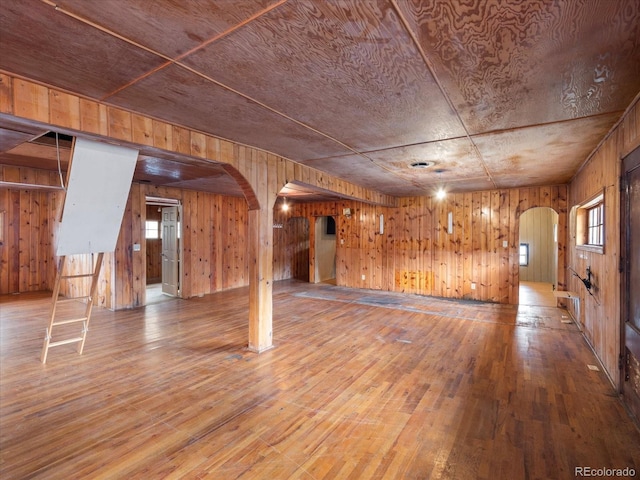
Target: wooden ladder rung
[[55, 301], [81, 275], [64, 342], [72, 320], [72, 299]]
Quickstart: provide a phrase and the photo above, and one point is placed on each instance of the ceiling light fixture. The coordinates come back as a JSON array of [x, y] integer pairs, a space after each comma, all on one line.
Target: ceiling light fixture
[[285, 205], [441, 193]]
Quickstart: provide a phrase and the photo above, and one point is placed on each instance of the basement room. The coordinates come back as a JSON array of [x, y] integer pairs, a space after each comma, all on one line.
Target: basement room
[[319, 239]]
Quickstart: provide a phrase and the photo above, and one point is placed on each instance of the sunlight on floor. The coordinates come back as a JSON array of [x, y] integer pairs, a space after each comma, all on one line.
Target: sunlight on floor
[[537, 294]]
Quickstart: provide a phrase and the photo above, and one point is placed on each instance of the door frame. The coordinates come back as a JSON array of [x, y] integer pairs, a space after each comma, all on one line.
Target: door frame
[[178, 251], [629, 162], [170, 202], [320, 221]]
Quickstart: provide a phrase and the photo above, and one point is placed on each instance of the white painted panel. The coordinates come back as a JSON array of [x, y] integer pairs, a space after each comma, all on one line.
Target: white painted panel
[[536, 229], [97, 192]]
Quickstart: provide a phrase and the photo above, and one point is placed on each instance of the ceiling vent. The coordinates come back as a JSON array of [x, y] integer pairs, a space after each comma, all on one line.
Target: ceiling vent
[[421, 164]]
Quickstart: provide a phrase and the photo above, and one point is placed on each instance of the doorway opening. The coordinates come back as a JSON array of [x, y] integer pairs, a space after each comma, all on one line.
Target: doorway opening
[[162, 241], [538, 257], [325, 250]]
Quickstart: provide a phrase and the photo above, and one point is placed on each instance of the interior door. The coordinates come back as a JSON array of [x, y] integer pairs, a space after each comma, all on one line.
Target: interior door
[[631, 279], [170, 251]]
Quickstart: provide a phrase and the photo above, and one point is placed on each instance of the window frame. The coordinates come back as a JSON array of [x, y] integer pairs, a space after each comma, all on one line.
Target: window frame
[[526, 255], [593, 210], [147, 230]]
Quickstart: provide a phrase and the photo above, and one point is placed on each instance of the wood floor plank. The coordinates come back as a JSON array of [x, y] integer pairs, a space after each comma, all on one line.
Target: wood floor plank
[[360, 384]]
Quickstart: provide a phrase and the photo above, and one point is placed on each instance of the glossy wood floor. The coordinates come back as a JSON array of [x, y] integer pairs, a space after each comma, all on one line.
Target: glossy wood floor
[[360, 385], [537, 294]]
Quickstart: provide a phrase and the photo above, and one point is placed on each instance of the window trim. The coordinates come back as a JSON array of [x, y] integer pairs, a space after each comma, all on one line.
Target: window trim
[[582, 224]]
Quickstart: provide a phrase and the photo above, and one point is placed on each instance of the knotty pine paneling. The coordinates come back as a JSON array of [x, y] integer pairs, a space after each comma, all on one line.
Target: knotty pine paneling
[[214, 243], [600, 317], [291, 238], [213, 246], [416, 254], [29, 218]]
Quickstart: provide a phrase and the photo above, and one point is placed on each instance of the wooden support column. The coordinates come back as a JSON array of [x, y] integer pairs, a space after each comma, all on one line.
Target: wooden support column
[[260, 279]]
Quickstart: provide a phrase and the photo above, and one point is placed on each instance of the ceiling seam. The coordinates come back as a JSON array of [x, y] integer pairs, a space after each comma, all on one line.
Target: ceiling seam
[[169, 60], [176, 61], [231, 30], [431, 69]]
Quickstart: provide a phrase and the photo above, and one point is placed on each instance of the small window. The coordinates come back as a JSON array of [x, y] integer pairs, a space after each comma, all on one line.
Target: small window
[[524, 254], [589, 224], [595, 225], [152, 229]]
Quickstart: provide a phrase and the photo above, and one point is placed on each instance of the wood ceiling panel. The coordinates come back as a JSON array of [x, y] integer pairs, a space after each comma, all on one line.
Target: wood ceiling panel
[[165, 172], [303, 193], [507, 65], [454, 162], [362, 171], [180, 96], [48, 46], [348, 68], [542, 155], [10, 139], [168, 27], [34, 155], [403, 182], [454, 157]]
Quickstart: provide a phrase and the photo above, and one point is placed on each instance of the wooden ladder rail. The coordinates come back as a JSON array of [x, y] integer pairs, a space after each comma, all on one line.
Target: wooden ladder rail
[[87, 312]]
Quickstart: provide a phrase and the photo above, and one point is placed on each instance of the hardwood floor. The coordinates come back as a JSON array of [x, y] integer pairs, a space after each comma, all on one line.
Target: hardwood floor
[[537, 294], [361, 385]]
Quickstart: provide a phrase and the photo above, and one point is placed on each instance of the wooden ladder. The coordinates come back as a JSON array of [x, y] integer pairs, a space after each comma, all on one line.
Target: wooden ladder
[[55, 301]]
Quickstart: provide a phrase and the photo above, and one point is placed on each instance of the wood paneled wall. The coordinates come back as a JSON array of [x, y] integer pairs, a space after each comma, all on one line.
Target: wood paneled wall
[[600, 316], [213, 244], [290, 247], [415, 254], [28, 220]]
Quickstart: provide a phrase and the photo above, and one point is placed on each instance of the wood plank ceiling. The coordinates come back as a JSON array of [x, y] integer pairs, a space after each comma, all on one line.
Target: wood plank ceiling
[[493, 94]]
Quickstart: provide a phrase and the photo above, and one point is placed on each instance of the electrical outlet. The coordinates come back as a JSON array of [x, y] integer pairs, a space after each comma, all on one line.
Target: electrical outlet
[[505, 243], [364, 277], [473, 285]]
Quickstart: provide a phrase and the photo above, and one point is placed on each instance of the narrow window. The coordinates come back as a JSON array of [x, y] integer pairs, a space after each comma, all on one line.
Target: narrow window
[[588, 221], [524, 254], [595, 225]]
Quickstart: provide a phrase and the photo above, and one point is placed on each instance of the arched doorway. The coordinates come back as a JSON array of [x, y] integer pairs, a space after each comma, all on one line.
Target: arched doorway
[[538, 256]]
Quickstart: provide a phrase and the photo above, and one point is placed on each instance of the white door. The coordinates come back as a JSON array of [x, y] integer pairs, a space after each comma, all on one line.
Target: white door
[[170, 251]]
